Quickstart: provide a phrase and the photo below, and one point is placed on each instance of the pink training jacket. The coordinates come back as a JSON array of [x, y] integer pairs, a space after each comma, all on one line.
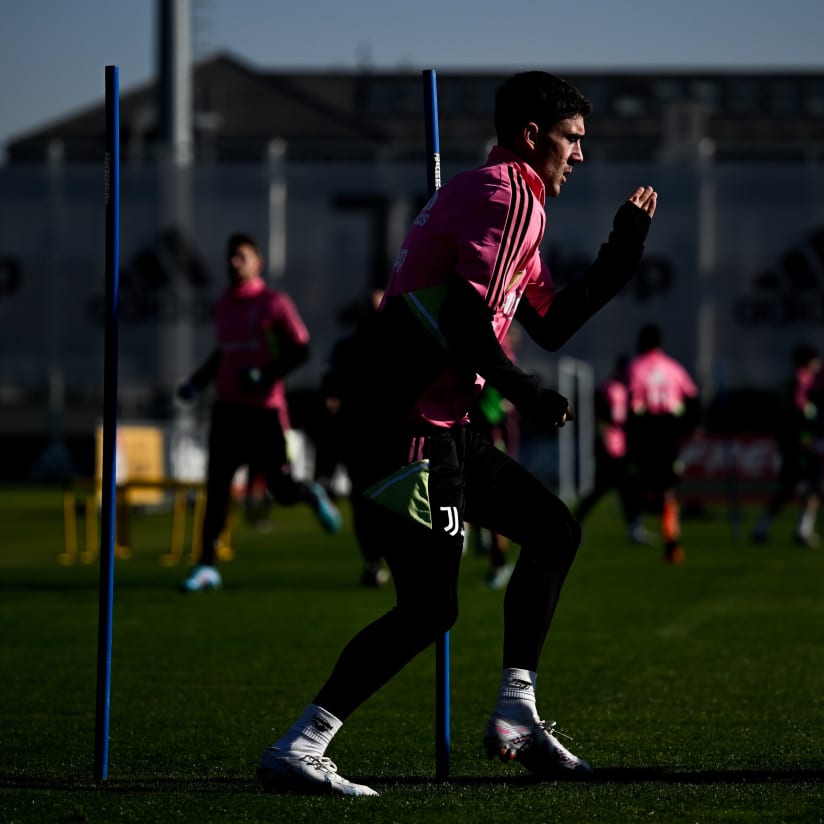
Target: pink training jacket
[[613, 433], [486, 225], [805, 380], [659, 385], [250, 319]]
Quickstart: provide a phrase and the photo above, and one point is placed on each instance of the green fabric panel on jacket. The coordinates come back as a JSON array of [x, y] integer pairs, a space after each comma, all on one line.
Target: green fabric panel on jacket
[[426, 306], [405, 492], [272, 343], [491, 404]]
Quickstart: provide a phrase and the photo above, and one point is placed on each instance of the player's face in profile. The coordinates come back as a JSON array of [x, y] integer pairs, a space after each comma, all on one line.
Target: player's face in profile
[[557, 151]]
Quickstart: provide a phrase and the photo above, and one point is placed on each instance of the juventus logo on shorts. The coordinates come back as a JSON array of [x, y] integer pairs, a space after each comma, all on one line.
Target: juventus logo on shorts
[[453, 525]]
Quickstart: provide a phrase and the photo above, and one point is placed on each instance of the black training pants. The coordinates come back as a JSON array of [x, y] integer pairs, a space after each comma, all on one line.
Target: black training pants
[[240, 434], [468, 480]]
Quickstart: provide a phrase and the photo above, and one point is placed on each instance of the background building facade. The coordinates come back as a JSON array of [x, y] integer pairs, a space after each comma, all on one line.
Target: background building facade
[[327, 170]]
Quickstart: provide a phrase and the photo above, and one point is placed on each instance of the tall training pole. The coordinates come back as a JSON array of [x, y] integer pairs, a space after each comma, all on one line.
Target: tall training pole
[[110, 356], [442, 668]]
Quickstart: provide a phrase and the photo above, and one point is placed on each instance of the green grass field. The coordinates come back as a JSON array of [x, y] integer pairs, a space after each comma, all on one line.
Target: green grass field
[[696, 691]]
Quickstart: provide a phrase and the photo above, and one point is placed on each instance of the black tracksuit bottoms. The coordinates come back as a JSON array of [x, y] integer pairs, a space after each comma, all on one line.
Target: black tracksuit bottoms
[[468, 480]]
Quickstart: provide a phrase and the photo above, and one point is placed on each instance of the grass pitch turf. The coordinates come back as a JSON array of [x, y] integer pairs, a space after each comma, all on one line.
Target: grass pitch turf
[[697, 691]]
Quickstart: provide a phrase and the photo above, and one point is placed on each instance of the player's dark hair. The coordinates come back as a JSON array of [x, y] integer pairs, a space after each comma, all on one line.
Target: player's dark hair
[[535, 97], [237, 240], [649, 338]]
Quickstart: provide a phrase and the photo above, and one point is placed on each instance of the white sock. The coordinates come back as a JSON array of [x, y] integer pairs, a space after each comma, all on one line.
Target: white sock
[[312, 732], [516, 698], [806, 522]]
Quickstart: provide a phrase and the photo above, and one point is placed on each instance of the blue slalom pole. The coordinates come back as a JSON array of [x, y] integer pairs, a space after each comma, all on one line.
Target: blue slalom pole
[[442, 665], [110, 358]]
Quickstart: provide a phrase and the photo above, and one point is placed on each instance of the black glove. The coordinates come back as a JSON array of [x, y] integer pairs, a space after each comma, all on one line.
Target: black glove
[[552, 409], [187, 391], [631, 223]]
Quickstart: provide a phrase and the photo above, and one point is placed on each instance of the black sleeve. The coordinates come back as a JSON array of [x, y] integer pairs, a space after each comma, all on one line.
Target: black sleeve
[[466, 324], [291, 355], [575, 304], [206, 373]]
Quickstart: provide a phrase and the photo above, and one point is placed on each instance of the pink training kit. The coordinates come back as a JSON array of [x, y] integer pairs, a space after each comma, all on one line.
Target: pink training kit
[[486, 225], [249, 320], [658, 384]]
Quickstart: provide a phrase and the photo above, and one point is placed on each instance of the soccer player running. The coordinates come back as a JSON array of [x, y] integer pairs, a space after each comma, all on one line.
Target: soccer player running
[[469, 265], [664, 410], [611, 411], [798, 436], [261, 338]]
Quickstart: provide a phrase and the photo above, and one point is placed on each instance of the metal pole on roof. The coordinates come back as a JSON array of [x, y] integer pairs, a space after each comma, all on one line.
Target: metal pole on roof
[[177, 233], [175, 78], [276, 245], [175, 224]]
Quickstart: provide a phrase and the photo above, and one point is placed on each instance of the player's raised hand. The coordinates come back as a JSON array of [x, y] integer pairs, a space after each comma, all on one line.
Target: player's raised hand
[[645, 198]]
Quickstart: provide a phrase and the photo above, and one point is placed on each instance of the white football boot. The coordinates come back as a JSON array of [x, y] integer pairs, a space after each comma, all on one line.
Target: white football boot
[[536, 746], [280, 770], [202, 578]]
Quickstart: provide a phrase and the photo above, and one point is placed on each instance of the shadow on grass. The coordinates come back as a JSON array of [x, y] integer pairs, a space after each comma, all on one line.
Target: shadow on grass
[[643, 775], [225, 785], [239, 785], [625, 775], [264, 585]]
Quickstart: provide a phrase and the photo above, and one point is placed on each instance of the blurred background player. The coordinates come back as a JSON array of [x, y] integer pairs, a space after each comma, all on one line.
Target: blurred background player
[[611, 411], [664, 410], [799, 436], [261, 338], [330, 452]]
